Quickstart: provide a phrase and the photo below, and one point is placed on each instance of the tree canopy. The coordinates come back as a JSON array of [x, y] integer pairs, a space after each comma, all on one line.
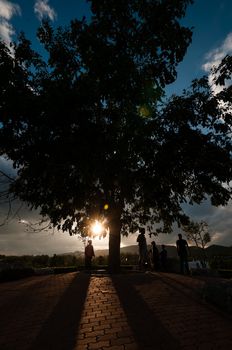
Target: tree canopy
[[85, 125]]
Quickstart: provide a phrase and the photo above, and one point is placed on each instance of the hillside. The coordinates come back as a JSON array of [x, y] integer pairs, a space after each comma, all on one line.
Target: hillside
[[133, 249], [171, 249], [172, 253], [219, 250]]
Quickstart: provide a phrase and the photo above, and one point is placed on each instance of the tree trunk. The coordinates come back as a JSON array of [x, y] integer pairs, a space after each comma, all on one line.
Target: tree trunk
[[114, 242]]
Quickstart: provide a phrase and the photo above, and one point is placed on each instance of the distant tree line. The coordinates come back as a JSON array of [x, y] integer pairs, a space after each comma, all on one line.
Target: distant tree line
[[219, 261], [40, 261]]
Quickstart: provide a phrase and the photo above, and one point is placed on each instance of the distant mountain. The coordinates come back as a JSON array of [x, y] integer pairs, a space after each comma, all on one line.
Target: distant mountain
[[172, 253], [215, 249], [133, 249], [171, 249]]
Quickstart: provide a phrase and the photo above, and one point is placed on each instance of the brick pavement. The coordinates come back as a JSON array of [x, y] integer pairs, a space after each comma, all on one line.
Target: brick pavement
[[130, 311]]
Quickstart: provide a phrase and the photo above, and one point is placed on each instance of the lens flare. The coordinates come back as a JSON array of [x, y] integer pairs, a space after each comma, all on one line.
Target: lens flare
[[97, 228], [106, 206]]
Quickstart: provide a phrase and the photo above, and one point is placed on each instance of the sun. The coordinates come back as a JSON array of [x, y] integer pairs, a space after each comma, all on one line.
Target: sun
[[97, 228]]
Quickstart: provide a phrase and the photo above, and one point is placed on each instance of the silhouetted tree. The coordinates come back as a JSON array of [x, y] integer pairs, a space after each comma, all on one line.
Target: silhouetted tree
[[85, 126], [198, 233]]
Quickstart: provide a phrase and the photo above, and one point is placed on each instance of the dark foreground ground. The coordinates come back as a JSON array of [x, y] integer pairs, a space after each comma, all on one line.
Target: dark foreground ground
[[121, 312]]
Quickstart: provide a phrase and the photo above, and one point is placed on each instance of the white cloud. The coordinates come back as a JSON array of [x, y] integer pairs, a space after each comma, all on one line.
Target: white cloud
[[7, 11], [6, 31], [43, 9], [214, 58]]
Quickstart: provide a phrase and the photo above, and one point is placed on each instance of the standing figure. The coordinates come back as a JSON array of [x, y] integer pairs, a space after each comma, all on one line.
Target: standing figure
[[163, 258], [89, 254], [183, 252], [141, 239], [155, 256]]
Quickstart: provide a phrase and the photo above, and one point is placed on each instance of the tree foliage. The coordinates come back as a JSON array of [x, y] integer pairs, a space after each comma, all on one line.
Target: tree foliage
[[87, 125]]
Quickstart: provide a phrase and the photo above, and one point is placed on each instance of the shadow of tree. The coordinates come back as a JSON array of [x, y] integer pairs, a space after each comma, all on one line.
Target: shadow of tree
[[60, 329], [148, 330]]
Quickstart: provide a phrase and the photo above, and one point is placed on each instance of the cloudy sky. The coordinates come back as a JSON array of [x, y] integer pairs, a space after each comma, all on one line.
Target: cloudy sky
[[212, 40]]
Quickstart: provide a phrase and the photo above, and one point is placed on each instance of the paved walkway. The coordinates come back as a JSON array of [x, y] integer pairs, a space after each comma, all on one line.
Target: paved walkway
[[123, 312]]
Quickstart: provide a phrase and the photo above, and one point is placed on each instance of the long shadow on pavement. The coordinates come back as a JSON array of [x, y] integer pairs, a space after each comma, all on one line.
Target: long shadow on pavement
[[60, 329], [148, 331]]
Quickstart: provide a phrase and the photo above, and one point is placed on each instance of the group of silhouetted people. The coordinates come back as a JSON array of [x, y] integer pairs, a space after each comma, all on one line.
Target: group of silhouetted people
[[151, 258], [158, 260]]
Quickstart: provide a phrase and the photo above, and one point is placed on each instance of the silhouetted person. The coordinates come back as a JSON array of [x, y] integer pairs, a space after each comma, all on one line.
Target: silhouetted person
[[163, 258], [155, 256], [143, 254], [183, 252], [89, 254]]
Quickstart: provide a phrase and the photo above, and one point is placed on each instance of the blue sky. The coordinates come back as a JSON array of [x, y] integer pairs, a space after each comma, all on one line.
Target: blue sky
[[212, 29], [212, 40]]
